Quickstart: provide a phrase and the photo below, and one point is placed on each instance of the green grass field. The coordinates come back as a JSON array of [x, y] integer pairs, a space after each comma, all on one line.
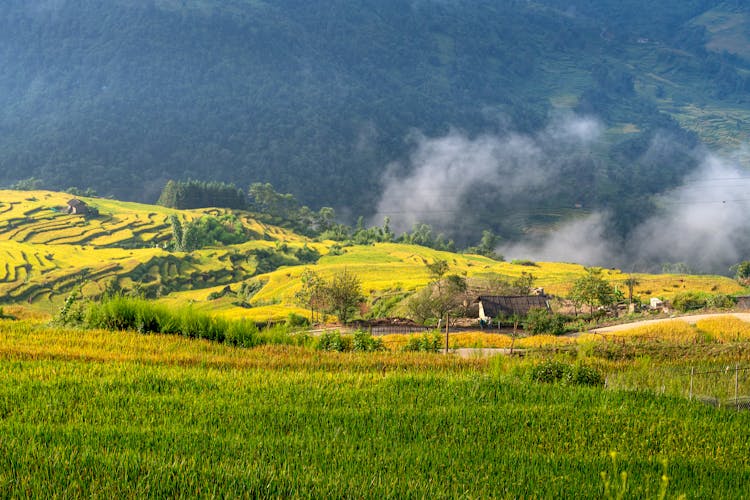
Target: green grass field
[[100, 414]]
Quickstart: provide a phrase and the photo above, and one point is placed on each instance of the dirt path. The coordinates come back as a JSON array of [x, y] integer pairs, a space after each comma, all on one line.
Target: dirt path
[[692, 319]]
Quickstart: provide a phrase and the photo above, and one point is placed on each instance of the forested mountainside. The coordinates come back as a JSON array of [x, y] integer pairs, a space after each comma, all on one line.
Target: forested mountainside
[[333, 101]]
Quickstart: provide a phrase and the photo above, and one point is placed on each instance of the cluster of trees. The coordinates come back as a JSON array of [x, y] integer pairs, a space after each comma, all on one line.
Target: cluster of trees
[[285, 210], [207, 230], [444, 295], [593, 290], [199, 194], [339, 295]]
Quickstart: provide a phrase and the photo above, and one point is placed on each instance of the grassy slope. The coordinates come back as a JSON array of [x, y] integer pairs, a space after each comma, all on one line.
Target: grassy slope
[[98, 413], [45, 253]]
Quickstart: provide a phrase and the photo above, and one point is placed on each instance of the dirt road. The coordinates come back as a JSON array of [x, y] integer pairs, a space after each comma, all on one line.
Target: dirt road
[[692, 319]]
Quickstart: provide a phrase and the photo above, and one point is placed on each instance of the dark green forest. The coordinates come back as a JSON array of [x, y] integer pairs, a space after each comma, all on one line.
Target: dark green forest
[[320, 97]]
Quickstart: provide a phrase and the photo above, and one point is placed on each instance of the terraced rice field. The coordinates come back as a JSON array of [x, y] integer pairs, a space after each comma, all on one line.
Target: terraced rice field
[[45, 253]]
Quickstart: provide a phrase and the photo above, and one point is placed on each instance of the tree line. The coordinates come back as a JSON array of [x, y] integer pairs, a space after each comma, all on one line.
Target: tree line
[[284, 210]]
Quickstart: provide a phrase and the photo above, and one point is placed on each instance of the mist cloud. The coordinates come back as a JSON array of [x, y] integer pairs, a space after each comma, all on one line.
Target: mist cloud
[[704, 223], [445, 170], [580, 240]]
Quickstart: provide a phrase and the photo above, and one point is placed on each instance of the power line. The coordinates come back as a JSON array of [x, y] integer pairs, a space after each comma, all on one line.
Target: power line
[[547, 210]]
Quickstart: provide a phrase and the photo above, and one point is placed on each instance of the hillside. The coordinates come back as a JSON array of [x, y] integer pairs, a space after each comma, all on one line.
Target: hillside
[[330, 101], [47, 253]]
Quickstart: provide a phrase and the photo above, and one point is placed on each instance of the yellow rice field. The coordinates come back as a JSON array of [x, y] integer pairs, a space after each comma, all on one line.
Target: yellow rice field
[[45, 252]]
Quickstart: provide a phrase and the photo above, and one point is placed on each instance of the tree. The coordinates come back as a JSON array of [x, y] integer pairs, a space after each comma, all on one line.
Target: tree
[[30, 184], [523, 284], [176, 231], [437, 269], [742, 272], [326, 218], [631, 283], [312, 293], [487, 245], [387, 234], [343, 294], [443, 295], [592, 289]]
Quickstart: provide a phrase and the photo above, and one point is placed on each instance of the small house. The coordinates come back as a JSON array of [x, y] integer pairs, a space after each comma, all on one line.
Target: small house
[[493, 306], [743, 302], [76, 206]]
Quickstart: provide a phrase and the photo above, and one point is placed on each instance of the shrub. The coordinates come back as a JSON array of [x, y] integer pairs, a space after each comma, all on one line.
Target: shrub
[[72, 312], [333, 341], [558, 372], [689, 301], [585, 375], [427, 342], [294, 320], [720, 301], [523, 262], [540, 321], [549, 371], [363, 341]]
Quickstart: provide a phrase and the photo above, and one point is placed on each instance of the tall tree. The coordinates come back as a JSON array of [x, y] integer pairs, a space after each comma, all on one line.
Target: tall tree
[[443, 295], [312, 293], [343, 294], [593, 290]]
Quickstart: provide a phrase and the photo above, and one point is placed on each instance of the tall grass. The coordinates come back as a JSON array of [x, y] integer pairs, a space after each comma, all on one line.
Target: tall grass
[[143, 316]]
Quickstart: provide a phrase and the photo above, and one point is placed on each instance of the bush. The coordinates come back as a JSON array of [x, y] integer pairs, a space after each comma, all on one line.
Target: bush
[[549, 371], [294, 320], [721, 301], [427, 342], [333, 341], [72, 312], [523, 262], [361, 341], [364, 342], [540, 321], [557, 372], [585, 375], [689, 301]]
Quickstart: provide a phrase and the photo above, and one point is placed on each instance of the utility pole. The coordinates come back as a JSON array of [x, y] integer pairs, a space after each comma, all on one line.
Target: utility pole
[[447, 317]]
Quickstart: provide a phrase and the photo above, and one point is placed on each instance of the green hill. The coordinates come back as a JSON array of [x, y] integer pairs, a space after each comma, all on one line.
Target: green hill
[[319, 98], [46, 254]]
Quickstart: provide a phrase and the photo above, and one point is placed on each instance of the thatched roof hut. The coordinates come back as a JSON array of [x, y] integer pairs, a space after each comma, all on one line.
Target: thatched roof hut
[[76, 206], [493, 306]]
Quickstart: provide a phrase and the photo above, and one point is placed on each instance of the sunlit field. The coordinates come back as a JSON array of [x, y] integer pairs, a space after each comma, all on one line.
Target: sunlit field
[[46, 254], [97, 413]]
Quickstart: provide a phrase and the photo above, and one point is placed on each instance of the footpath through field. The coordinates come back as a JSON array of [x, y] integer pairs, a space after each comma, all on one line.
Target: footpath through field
[[691, 319]]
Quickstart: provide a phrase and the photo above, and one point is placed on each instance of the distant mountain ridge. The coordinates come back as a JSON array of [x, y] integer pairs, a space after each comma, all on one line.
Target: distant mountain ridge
[[319, 98]]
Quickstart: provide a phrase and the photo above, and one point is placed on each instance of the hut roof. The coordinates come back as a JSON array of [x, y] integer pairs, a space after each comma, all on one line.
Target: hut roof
[[75, 202], [507, 305]]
